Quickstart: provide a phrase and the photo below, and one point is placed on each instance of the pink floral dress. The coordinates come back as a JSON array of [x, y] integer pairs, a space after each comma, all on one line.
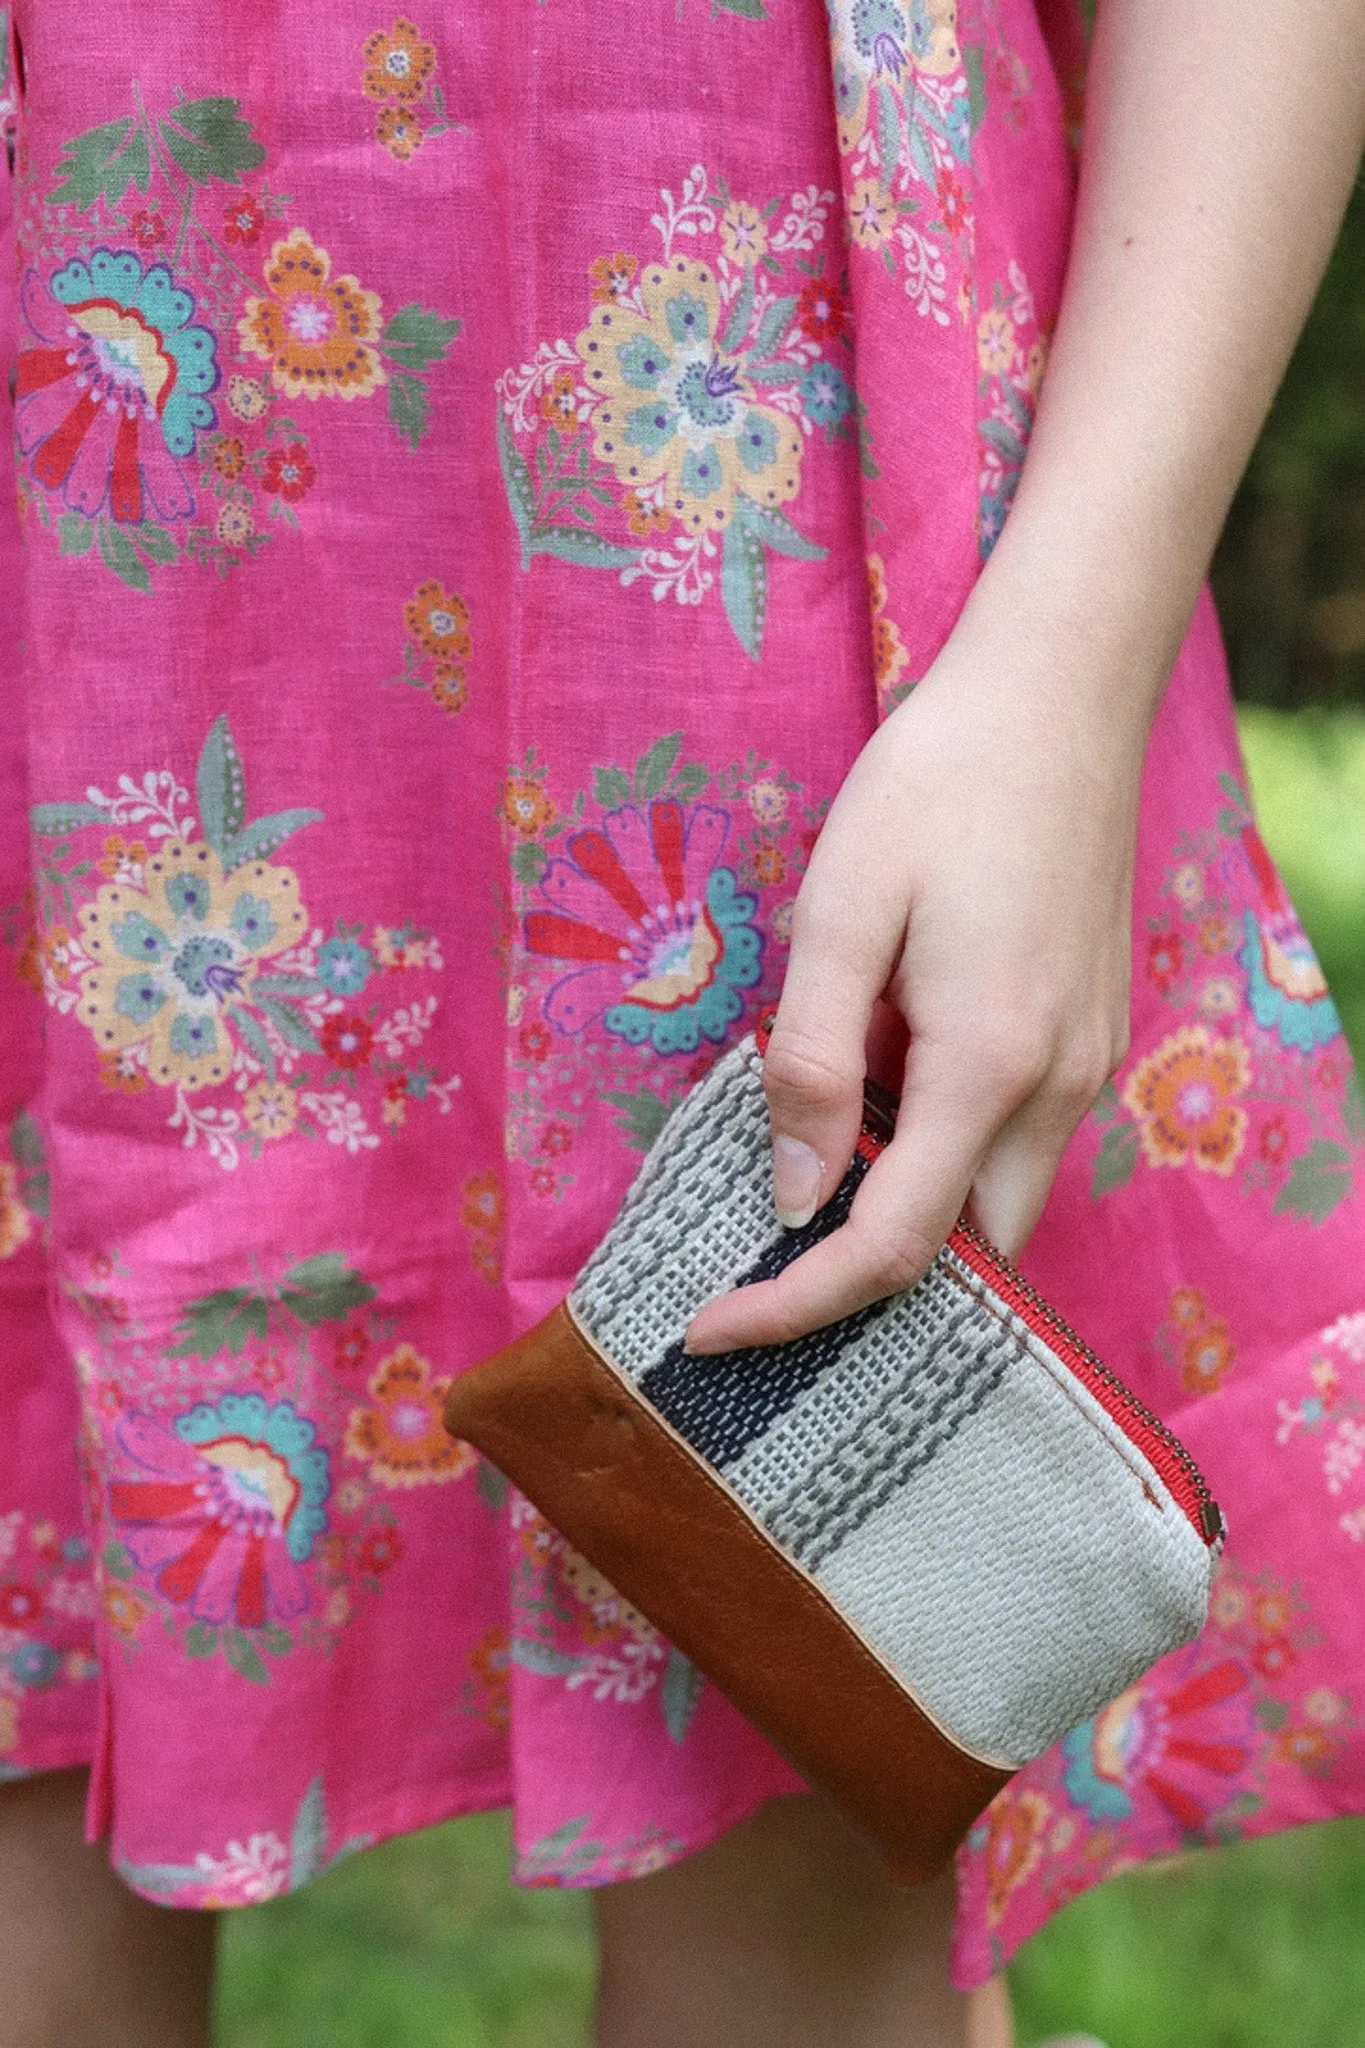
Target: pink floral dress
[[458, 553]]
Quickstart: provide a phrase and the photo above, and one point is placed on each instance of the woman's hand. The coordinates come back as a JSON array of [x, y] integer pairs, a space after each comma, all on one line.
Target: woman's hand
[[976, 870]]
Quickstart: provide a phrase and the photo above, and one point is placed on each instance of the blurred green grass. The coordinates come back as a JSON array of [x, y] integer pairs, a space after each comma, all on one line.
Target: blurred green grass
[[424, 1943]]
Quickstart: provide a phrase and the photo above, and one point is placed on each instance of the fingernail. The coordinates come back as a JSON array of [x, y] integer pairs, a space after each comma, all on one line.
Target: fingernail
[[796, 1181]]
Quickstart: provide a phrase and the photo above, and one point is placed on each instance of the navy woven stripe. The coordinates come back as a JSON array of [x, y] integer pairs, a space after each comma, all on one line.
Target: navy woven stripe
[[721, 1404]]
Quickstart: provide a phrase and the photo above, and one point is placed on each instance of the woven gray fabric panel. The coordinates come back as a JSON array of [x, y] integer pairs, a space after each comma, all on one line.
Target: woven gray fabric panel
[[1028, 1574], [867, 1426], [698, 1215]]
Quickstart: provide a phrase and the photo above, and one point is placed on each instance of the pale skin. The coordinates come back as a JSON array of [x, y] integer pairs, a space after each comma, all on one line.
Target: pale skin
[[975, 874]]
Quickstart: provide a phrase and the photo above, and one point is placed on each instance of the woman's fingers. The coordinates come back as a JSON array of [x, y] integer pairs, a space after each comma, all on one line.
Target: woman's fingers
[[815, 1062], [904, 1210]]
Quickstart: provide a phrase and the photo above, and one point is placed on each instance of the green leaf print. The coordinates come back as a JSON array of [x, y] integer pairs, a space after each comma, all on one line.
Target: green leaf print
[[562, 1854], [118, 553], [286, 985], [774, 528], [1353, 1106], [416, 337], [292, 1026], [199, 1640], [249, 1028], [744, 582], [209, 139], [888, 131], [409, 407], [75, 534], [610, 788], [117, 1561], [220, 784], [1004, 440], [679, 1693], [588, 550], [521, 492], [54, 821], [222, 1321], [656, 765], [773, 327], [1106, 1105], [26, 1141], [543, 1658], [244, 1658], [158, 1879], [529, 862], [752, 10], [1318, 1180], [94, 163], [492, 1486], [153, 541], [308, 1836], [643, 1114], [976, 85], [738, 325], [254, 841], [324, 1290], [1117, 1160]]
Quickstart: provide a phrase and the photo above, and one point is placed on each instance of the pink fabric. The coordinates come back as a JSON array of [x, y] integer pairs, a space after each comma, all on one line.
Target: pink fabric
[[460, 562]]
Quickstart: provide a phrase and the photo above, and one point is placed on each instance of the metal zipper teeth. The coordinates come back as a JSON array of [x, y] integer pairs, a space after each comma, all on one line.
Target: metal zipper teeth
[[1208, 1514], [879, 1123]]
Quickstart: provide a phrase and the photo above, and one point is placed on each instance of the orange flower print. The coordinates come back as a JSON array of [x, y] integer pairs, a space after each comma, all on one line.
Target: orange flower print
[[1187, 1307], [490, 1665], [612, 276], [229, 457], [1309, 1748], [439, 623], [487, 1259], [400, 132], [889, 654], [1206, 1357], [1014, 1846], [769, 865], [122, 860], [559, 401], [448, 687], [645, 519], [525, 806], [481, 1207], [1183, 1097], [121, 1073], [401, 1435], [398, 62], [123, 1610], [316, 331], [16, 1224]]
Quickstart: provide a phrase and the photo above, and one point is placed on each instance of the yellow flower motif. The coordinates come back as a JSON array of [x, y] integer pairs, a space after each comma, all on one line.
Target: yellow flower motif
[[247, 397], [1016, 1825], [234, 525], [676, 408], [871, 215], [316, 331], [402, 1437], [175, 957], [995, 342], [1182, 1096], [398, 62], [743, 233], [271, 1109]]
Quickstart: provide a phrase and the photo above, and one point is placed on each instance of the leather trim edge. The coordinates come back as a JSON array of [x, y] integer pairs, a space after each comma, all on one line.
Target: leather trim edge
[[554, 1415]]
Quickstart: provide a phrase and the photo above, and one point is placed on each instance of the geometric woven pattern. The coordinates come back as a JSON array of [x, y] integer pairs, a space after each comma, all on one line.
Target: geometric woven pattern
[[1000, 1537]]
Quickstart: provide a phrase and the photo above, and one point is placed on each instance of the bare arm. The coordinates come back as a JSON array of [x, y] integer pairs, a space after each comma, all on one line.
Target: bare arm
[[976, 867]]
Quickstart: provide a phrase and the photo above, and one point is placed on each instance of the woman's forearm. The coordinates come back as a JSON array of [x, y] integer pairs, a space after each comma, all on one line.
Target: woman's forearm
[[1222, 138]]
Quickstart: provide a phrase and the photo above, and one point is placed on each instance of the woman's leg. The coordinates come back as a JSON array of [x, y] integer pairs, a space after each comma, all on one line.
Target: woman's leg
[[784, 1934], [84, 1962]]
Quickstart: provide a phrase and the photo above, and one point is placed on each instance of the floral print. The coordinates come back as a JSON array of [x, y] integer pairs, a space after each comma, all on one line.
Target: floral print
[[907, 106], [685, 403], [438, 645], [401, 1436], [47, 1615], [113, 394], [197, 969], [127, 359], [1250, 1085], [400, 73]]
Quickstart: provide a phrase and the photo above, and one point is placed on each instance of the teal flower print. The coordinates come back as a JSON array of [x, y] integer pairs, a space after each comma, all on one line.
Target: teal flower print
[[663, 938], [111, 393]]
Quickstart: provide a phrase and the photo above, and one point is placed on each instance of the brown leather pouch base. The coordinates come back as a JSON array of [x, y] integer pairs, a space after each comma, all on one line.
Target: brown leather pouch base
[[602, 1467]]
